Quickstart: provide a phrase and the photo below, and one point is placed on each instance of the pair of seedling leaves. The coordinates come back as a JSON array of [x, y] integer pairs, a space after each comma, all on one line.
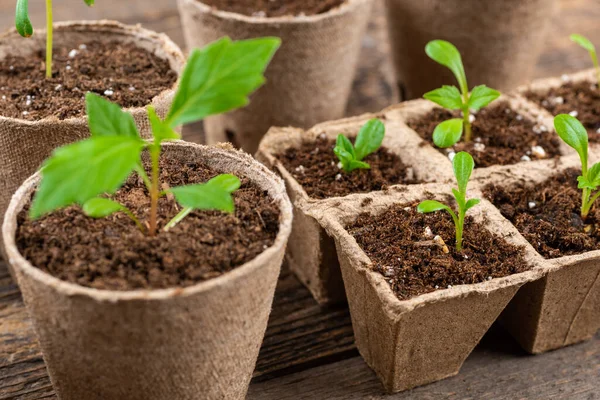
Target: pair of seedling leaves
[[216, 79]]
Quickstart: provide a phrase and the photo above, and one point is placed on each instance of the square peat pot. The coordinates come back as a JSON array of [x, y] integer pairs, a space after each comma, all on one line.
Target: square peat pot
[[311, 253], [428, 337], [563, 307]]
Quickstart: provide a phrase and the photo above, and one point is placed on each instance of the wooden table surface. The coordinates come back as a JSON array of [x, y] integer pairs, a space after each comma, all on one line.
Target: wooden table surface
[[309, 352]]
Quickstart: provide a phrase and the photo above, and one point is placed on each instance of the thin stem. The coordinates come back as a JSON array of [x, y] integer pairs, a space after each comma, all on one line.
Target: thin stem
[[154, 188], [589, 204], [134, 219], [459, 229], [177, 219], [142, 173], [49, 28], [596, 65], [585, 195], [467, 123]]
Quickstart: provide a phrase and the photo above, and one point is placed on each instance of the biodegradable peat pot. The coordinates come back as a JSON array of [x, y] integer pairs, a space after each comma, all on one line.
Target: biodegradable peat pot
[[425, 338], [311, 252], [563, 307], [500, 41], [309, 79], [180, 343], [25, 144]]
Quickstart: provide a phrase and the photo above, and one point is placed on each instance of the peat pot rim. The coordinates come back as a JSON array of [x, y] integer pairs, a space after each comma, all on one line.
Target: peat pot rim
[[345, 8], [175, 58], [220, 152]]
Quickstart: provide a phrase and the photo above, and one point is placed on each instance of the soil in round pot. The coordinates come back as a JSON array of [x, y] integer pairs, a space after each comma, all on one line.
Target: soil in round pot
[[275, 8], [122, 72], [400, 244], [314, 165], [112, 253], [501, 136], [579, 99]]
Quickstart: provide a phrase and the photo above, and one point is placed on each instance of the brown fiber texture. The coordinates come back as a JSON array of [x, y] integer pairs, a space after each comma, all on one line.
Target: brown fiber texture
[[24, 145], [500, 41], [185, 343], [309, 79]]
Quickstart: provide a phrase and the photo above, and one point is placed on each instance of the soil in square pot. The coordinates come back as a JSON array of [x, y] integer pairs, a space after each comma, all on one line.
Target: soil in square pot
[[501, 57], [310, 77], [115, 309]]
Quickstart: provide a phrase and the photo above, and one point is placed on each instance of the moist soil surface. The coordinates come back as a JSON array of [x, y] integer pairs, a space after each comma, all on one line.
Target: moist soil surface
[[122, 73], [402, 250], [111, 253], [315, 166], [582, 97], [275, 8], [501, 136], [548, 215]]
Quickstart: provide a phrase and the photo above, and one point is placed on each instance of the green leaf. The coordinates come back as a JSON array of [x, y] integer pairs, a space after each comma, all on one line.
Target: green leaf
[[463, 165], [572, 132], [345, 144], [583, 42], [220, 77], [448, 133], [369, 138], [89, 2], [107, 119], [429, 206], [472, 203], [447, 54], [481, 96], [160, 130], [592, 180], [81, 171], [213, 195], [99, 207], [460, 198], [355, 164], [447, 96], [22, 22]]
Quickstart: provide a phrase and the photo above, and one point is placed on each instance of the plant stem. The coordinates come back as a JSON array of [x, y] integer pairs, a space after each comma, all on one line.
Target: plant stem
[[142, 173], [467, 123], [176, 219], [596, 65], [459, 229], [134, 219], [49, 28], [154, 188]]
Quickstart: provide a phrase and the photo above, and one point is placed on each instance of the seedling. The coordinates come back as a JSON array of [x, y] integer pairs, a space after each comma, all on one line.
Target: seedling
[[449, 132], [463, 165], [25, 29], [216, 79], [368, 141], [589, 46], [573, 133]]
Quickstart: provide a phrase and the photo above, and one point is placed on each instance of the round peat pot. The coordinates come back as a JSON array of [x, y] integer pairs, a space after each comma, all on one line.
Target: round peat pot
[[500, 41], [201, 341], [309, 79], [25, 144]]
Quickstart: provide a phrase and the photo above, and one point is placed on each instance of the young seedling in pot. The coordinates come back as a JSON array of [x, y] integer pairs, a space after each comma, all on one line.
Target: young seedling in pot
[[573, 133], [216, 79], [449, 132], [463, 165], [589, 46], [25, 29], [368, 141]]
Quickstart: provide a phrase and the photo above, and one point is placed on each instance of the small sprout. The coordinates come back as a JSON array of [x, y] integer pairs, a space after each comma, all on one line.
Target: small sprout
[[589, 46], [368, 141], [449, 132], [573, 133], [463, 165]]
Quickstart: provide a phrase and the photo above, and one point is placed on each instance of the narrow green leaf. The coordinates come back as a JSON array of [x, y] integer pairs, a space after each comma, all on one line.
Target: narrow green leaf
[[99, 207], [369, 138], [447, 96], [213, 195], [107, 119], [22, 21], [572, 132], [160, 130], [460, 198], [447, 54], [344, 143], [463, 165], [220, 77], [429, 206], [89, 2], [481, 96], [471, 203], [355, 164], [81, 171], [583, 42], [448, 133]]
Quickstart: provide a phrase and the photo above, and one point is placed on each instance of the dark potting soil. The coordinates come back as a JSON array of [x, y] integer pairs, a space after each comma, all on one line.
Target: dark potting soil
[[402, 250], [111, 253], [315, 166], [548, 215], [582, 97], [275, 8], [123, 73], [501, 136]]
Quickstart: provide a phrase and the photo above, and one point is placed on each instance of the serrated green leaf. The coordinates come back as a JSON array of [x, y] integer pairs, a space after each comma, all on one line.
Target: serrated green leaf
[[481, 96], [81, 171], [213, 195], [572, 132], [369, 138], [108, 119], [100, 207], [471, 203], [446, 54], [448, 133], [583, 42], [429, 206], [22, 21], [220, 77], [160, 130], [447, 96], [463, 165]]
